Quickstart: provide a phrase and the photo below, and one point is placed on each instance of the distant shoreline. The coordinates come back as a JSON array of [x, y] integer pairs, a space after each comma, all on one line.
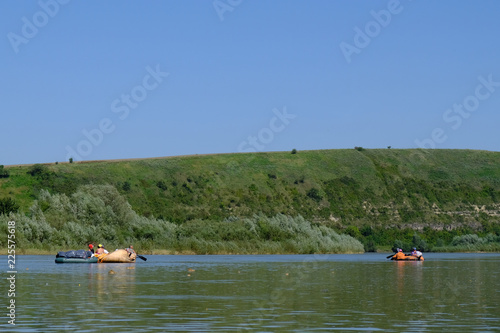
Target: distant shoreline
[[170, 252]]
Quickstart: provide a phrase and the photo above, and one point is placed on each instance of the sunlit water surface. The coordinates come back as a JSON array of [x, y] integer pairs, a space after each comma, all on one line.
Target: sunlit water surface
[[264, 293]]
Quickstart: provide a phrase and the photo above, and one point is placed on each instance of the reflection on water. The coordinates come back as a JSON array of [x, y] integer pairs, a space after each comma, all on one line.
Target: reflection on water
[[447, 292]]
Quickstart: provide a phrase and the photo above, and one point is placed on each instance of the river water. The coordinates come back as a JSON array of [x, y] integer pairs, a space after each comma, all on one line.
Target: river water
[[257, 293]]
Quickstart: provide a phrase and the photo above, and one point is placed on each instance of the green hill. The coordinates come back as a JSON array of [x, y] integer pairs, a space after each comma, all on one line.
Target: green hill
[[374, 195]]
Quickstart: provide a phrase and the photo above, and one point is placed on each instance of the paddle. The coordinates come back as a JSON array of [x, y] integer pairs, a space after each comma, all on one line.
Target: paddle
[[392, 255], [143, 258]]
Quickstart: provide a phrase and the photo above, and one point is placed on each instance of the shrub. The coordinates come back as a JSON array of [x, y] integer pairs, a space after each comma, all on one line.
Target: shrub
[[353, 231], [419, 243], [491, 238], [369, 245], [314, 194], [126, 186], [4, 173], [32, 231], [39, 171], [161, 185], [401, 245], [465, 240], [366, 231], [294, 151], [8, 205], [158, 231], [115, 204]]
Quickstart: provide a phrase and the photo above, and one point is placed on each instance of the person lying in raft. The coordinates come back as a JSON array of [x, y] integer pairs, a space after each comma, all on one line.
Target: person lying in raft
[[399, 255], [101, 249]]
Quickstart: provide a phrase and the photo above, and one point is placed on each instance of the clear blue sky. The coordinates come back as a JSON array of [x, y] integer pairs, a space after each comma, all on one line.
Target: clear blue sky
[[164, 78]]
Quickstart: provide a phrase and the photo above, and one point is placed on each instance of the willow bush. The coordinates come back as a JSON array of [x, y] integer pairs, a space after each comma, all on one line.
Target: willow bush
[[100, 214], [472, 243], [261, 234]]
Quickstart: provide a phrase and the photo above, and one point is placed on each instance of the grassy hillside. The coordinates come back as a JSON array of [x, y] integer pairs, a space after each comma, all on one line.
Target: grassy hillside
[[360, 192]]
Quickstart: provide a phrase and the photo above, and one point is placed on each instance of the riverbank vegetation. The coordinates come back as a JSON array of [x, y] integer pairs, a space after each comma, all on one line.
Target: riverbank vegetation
[[278, 202], [99, 214]]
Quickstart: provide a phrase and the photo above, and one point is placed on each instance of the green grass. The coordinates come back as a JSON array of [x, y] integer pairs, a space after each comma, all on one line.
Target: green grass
[[392, 191]]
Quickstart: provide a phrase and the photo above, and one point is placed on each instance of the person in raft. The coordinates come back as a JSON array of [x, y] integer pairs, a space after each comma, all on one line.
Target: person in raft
[[101, 249], [130, 250], [399, 254], [91, 248], [416, 253]]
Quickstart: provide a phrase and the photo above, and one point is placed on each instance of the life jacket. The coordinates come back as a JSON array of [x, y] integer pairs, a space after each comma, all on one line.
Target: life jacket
[[399, 255]]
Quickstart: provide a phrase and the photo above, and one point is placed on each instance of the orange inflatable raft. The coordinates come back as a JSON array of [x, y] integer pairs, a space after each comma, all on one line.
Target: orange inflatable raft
[[118, 256], [408, 258]]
